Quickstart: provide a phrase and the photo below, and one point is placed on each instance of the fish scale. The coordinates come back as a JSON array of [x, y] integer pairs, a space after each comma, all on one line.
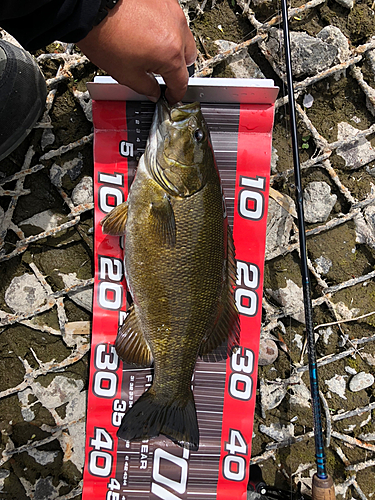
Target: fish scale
[[179, 296]]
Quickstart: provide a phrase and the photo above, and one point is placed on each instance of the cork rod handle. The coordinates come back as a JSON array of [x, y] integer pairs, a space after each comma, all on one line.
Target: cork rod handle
[[323, 489]]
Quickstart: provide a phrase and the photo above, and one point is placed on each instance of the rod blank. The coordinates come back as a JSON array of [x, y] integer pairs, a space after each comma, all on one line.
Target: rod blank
[[323, 488]]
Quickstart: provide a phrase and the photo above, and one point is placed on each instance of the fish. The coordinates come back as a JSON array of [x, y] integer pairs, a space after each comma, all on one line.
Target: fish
[[180, 269]]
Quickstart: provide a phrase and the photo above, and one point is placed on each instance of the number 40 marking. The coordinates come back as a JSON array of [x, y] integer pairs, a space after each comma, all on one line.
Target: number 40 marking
[[234, 465]]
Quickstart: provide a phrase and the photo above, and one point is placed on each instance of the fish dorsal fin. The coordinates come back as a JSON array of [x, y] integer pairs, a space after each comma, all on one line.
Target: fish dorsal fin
[[163, 220], [225, 335], [131, 346], [114, 222]]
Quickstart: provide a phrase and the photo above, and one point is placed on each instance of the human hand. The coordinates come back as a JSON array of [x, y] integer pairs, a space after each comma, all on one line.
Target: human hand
[[141, 37]]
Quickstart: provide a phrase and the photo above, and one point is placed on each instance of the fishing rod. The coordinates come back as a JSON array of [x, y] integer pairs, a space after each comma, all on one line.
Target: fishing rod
[[322, 483]]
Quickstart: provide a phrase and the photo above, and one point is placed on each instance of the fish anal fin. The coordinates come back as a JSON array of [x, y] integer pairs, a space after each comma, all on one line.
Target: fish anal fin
[[114, 223], [225, 335], [163, 220], [131, 345]]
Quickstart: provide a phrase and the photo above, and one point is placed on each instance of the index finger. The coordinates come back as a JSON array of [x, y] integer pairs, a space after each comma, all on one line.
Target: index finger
[[177, 83], [176, 75]]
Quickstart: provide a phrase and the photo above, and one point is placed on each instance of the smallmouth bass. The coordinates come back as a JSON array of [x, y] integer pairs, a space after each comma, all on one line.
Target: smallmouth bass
[[180, 270]]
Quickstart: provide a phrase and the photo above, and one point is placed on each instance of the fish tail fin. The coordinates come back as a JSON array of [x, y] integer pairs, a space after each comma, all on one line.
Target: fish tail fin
[[152, 415]]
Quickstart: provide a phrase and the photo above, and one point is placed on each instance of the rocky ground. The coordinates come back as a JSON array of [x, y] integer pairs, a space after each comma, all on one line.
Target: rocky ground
[[46, 256]]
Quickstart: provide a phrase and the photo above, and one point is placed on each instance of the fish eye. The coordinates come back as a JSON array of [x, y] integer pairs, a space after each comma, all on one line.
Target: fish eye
[[198, 135]]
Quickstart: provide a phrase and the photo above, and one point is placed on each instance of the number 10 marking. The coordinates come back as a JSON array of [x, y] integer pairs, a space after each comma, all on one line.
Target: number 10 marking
[[252, 196]]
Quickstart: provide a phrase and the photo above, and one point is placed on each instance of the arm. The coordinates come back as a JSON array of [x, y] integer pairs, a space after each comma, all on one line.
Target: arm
[[37, 23], [136, 38]]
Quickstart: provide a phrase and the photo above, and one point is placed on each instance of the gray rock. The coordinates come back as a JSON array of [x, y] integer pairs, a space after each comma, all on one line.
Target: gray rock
[[365, 226], [310, 55], [48, 138], [299, 394], [343, 311], [60, 391], [291, 298], [308, 101], [85, 101], [68, 391], [191, 4], [26, 411], [44, 489], [1, 217], [367, 437], [241, 64], [3, 475], [326, 333], [349, 4], [253, 495], [72, 168], [258, 3], [361, 381], [370, 359], [83, 192], [370, 56], [81, 298], [274, 160], [27, 414], [56, 174], [25, 294], [337, 384], [298, 341], [357, 152], [277, 431], [333, 36], [350, 370], [318, 201], [268, 352], [323, 264], [42, 457], [271, 395], [44, 220], [279, 226]]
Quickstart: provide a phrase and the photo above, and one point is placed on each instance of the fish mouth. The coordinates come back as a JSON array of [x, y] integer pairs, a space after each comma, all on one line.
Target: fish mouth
[[156, 158], [154, 141]]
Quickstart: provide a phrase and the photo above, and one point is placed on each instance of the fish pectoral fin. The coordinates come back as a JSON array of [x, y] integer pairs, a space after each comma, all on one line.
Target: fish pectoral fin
[[131, 345], [114, 223], [225, 335], [163, 220]]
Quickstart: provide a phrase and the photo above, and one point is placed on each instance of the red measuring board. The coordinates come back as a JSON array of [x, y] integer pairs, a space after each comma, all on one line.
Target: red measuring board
[[225, 391]]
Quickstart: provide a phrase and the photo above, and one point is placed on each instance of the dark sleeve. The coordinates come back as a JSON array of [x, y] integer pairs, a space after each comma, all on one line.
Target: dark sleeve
[[36, 23]]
